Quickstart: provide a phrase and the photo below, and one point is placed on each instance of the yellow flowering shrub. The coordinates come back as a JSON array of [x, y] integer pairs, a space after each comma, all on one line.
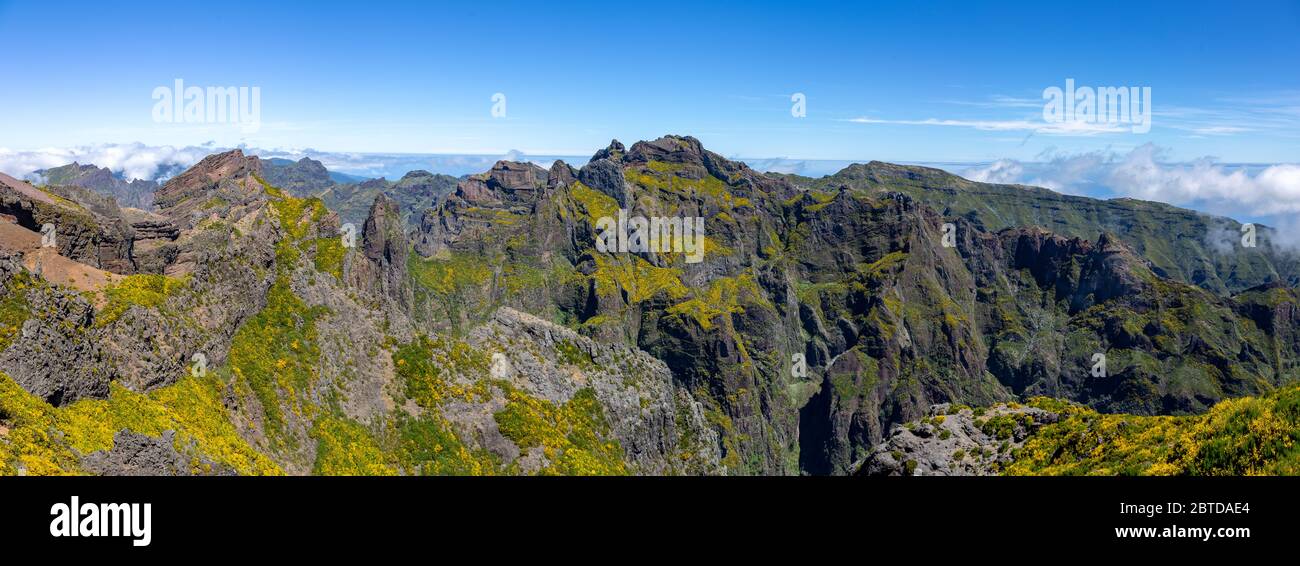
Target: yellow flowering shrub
[[44, 440], [146, 290], [1246, 436], [345, 448], [574, 437]]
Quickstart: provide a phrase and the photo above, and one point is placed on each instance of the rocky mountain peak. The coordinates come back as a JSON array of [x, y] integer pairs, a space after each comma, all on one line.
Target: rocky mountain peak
[[1108, 243], [385, 247], [304, 177], [606, 176], [1086, 272], [416, 174], [211, 188], [383, 236], [614, 150], [312, 168], [515, 176], [879, 173], [686, 362], [374, 183], [560, 175], [668, 149], [218, 166]]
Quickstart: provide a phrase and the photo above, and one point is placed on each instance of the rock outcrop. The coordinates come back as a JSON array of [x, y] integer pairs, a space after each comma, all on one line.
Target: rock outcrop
[[49, 353], [380, 268], [660, 426], [955, 441], [140, 455], [81, 224], [478, 203]]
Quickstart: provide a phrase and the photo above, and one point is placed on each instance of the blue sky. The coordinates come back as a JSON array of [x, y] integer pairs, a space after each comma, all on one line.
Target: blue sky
[[418, 77], [957, 83]]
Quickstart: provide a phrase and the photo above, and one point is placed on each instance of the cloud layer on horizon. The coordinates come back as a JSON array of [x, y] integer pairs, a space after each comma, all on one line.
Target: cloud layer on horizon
[[128, 160], [1259, 192], [140, 161], [1203, 184]]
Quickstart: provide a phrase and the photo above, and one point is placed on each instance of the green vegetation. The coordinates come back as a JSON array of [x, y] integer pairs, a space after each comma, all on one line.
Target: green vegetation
[[429, 446], [1145, 226], [595, 203], [725, 296], [449, 277], [1246, 436], [345, 448], [145, 290], [275, 352], [297, 215], [44, 440], [905, 322], [14, 308], [636, 278], [676, 179], [421, 365], [1003, 426], [572, 436], [569, 353], [329, 256], [860, 384]]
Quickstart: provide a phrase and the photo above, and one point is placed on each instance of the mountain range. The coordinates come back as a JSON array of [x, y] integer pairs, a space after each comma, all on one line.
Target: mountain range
[[886, 319]]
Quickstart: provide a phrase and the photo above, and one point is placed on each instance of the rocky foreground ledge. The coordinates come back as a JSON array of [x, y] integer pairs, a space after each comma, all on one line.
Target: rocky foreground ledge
[[956, 441]]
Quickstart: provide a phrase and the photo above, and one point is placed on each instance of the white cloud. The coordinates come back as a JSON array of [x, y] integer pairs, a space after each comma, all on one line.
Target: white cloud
[[140, 161], [1274, 190], [1204, 184], [131, 161], [1000, 171], [1221, 238]]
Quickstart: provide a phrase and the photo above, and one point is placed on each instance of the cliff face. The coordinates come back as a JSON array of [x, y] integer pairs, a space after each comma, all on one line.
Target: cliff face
[[87, 227], [1180, 244], [489, 333]]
